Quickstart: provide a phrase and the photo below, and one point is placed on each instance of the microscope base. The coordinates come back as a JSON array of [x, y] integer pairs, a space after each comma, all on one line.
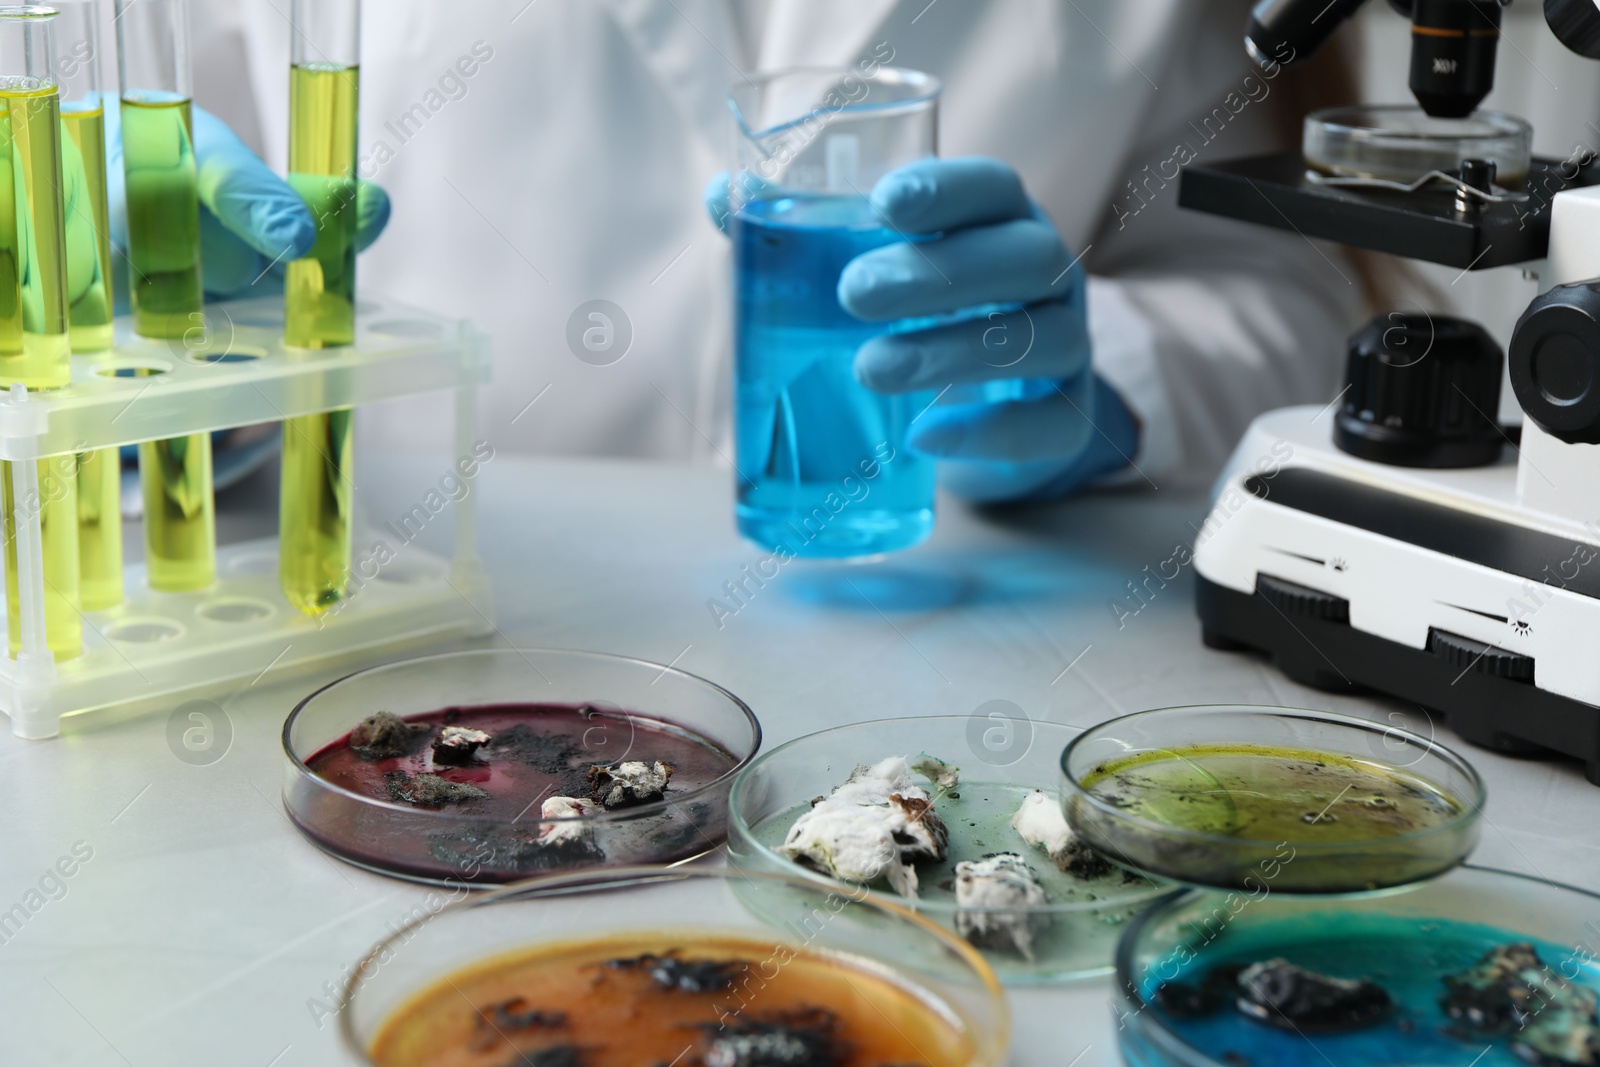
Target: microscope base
[[1494, 713], [1438, 587]]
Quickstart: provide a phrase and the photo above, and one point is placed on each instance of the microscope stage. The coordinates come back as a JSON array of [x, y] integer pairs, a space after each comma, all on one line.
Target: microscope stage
[[1274, 191]]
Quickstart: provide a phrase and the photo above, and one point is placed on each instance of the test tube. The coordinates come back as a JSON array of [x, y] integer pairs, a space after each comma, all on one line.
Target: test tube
[[165, 291], [314, 515], [34, 346], [89, 291], [83, 163], [35, 351]]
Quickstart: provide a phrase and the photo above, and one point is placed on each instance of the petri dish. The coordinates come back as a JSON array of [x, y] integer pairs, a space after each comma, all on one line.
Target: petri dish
[[1240, 797], [550, 715], [1402, 143], [1176, 988], [1001, 761], [585, 967]]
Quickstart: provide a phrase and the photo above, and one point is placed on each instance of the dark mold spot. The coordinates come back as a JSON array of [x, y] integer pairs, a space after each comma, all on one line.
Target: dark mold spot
[[385, 736], [1186, 1000], [498, 1022], [548, 753], [489, 847], [1512, 989], [1278, 993], [429, 790], [684, 976], [807, 1037]]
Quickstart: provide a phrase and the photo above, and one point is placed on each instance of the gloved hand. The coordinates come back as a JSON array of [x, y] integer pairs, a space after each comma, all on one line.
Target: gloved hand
[[1021, 414], [1025, 416], [251, 222]]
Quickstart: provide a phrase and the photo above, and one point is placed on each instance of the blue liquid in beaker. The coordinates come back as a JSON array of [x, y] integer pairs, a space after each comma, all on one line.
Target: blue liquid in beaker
[[823, 467]]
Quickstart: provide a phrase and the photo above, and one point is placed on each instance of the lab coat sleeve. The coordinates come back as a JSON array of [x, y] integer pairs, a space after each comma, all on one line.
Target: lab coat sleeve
[[1199, 322], [1202, 322], [1208, 328]]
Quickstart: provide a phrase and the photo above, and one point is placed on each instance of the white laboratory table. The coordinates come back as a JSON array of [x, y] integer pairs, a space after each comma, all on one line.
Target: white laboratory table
[[204, 931]]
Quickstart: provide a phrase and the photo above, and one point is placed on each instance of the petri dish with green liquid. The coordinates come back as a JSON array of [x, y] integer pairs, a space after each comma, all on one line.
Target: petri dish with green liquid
[[1271, 800]]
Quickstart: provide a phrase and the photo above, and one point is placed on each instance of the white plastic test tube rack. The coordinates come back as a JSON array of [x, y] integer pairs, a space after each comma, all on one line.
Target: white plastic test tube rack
[[234, 371]]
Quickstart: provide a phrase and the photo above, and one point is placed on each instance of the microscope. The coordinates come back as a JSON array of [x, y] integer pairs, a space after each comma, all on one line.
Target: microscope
[[1400, 539]]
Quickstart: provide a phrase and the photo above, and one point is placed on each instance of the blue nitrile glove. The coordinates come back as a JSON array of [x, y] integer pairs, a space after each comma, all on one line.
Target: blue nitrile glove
[[1025, 416], [251, 222]]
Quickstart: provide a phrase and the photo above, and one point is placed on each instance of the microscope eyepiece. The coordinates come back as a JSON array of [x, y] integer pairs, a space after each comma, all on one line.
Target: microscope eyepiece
[[1286, 32], [1453, 47]]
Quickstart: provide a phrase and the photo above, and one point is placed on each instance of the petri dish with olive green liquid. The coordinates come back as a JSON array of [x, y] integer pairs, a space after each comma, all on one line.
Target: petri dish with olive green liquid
[[1266, 799]]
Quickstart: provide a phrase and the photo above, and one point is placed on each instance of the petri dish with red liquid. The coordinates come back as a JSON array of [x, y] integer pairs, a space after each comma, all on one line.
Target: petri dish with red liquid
[[494, 765]]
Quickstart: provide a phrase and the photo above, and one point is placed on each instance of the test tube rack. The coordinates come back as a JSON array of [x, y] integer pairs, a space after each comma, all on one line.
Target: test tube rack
[[233, 370]]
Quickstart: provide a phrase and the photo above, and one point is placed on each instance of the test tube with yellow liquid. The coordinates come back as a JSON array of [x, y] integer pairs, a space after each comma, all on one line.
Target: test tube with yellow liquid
[[314, 516], [89, 287], [35, 351], [165, 292]]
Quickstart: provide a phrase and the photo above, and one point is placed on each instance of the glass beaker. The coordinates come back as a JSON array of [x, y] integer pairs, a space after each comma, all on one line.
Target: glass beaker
[[823, 470]]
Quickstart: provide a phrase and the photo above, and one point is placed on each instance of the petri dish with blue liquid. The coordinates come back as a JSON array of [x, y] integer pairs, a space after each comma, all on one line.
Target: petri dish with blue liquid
[[1479, 967]]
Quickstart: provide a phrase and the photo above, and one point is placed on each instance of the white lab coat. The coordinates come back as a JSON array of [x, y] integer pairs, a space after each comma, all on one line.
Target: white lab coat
[[569, 167]]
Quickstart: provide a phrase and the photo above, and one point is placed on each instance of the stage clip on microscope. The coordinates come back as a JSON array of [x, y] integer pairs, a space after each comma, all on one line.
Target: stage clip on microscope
[[1410, 544]]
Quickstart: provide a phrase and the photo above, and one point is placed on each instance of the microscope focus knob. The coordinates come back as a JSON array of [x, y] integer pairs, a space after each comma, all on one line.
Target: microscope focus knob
[[1472, 655], [1421, 391], [1555, 362]]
